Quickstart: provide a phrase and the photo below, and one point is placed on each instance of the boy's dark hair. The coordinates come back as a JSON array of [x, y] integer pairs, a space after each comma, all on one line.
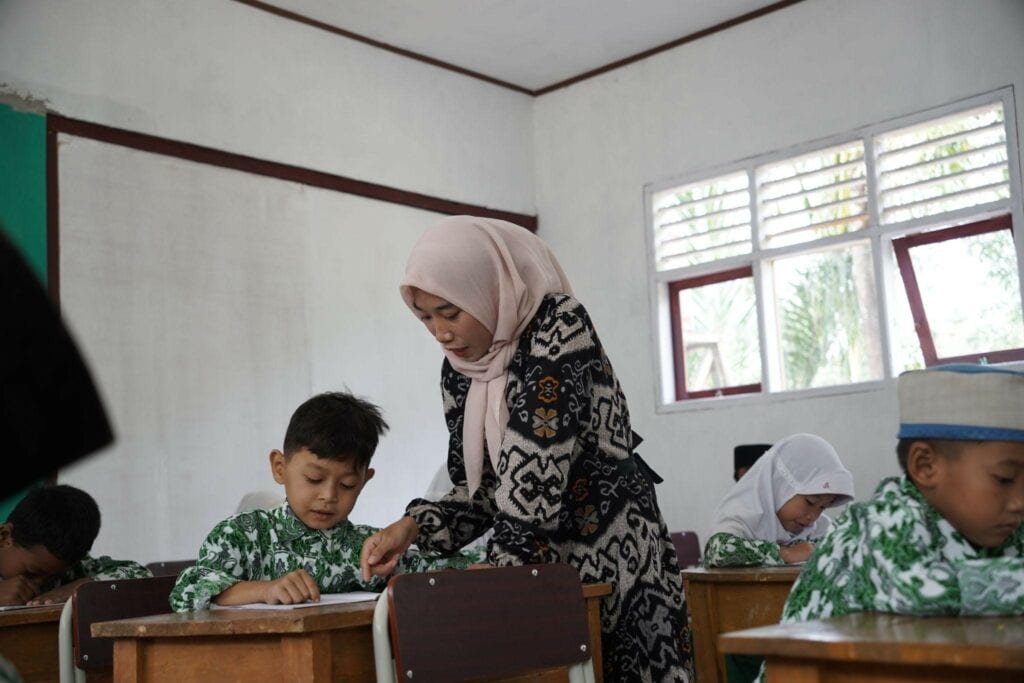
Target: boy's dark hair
[[63, 519], [337, 426], [947, 447]]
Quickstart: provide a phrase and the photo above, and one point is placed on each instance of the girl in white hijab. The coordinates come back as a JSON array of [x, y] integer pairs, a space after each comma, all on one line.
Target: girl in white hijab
[[541, 451], [773, 514]]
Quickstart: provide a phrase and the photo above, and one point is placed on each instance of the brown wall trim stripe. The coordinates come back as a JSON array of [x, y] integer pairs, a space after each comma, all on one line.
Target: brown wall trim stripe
[[273, 169], [302, 19], [668, 46], [52, 216]]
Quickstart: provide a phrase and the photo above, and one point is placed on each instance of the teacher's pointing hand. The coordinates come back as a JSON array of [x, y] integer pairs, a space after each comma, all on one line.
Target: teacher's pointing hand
[[382, 550]]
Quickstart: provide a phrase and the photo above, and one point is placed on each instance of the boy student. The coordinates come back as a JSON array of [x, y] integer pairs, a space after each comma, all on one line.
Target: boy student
[[44, 546], [945, 538], [306, 545]]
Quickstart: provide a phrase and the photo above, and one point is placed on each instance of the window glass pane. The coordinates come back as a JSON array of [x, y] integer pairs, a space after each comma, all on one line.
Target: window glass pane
[[979, 309], [827, 318], [702, 222], [814, 195], [941, 165], [720, 335]]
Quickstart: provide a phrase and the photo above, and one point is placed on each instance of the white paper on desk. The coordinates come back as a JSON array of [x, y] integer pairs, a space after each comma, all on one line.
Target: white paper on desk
[[325, 599]]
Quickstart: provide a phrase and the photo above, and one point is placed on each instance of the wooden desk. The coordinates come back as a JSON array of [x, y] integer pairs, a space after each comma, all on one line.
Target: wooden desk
[[28, 639], [312, 644], [885, 648], [730, 599]]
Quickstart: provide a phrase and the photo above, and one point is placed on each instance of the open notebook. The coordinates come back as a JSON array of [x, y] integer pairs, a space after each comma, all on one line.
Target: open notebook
[[325, 599]]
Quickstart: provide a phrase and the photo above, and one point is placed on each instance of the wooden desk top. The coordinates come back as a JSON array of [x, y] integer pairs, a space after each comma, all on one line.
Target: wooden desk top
[[31, 615], [785, 574], [218, 622], [982, 642]]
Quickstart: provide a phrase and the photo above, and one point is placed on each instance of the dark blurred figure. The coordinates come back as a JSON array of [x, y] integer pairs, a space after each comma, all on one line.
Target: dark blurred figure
[[50, 411], [744, 456]]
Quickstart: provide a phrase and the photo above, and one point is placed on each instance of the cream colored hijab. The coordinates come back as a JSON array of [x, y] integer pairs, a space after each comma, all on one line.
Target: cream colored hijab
[[801, 464], [499, 273]]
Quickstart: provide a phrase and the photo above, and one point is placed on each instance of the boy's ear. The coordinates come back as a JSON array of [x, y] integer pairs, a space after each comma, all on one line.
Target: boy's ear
[[369, 475], [924, 464], [277, 465]]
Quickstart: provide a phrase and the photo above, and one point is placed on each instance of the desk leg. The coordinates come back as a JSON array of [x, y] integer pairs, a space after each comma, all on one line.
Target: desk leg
[[704, 632], [127, 660], [307, 657]]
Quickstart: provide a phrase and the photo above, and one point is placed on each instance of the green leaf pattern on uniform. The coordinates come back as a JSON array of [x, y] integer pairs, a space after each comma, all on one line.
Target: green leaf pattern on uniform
[[727, 550], [896, 553], [263, 545], [102, 568]]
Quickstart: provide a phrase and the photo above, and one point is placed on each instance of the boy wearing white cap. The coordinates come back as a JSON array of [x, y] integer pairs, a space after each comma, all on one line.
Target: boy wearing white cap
[[945, 538]]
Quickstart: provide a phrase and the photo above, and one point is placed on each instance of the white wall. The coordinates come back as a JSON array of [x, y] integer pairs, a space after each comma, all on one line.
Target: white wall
[[817, 68], [209, 302]]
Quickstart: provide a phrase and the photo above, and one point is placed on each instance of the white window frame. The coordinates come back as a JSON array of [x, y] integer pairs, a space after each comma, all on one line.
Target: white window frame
[[880, 237]]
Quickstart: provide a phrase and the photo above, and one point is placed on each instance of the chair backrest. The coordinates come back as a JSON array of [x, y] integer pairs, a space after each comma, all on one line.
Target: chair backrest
[[108, 600], [459, 625], [687, 548], [172, 568]]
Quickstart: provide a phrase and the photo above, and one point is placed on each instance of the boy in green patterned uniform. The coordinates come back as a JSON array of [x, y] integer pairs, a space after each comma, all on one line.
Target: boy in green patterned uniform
[[306, 546], [945, 538]]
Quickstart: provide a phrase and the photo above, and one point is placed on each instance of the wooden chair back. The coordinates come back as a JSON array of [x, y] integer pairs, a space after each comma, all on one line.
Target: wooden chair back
[[108, 600], [172, 568], [461, 625], [687, 548]]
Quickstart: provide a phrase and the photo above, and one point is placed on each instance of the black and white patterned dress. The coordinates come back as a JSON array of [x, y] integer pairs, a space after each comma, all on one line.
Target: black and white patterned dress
[[569, 489]]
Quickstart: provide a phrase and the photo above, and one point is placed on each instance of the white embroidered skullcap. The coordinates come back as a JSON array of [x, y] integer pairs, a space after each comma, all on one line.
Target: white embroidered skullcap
[[962, 402]]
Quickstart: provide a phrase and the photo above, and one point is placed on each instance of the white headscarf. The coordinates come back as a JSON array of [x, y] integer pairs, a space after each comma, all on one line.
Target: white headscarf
[[801, 464], [499, 273]]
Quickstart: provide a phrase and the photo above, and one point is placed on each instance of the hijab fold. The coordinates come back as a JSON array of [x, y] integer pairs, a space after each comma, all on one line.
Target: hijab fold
[[498, 273], [801, 464]]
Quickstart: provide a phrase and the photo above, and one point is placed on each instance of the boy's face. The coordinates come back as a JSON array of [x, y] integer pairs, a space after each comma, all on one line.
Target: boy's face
[[800, 512], [33, 563], [321, 492], [980, 490]]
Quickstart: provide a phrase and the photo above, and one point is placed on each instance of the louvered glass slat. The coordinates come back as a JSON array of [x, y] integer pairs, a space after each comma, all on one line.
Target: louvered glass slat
[[702, 222], [943, 165], [814, 195]]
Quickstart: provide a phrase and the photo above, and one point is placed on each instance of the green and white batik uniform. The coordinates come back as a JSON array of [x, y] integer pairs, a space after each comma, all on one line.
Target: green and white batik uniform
[[102, 568], [896, 553], [263, 545], [727, 550]]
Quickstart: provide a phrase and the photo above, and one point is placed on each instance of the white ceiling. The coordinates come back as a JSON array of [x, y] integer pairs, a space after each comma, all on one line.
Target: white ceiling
[[529, 43]]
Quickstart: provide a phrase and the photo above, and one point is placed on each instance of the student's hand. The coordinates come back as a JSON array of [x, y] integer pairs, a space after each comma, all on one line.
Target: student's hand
[[18, 590], [292, 588], [797, 552], [58, 595], [382, 551]]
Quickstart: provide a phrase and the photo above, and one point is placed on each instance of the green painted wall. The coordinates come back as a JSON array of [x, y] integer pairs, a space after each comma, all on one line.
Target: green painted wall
[[23, 183], [23, 200]]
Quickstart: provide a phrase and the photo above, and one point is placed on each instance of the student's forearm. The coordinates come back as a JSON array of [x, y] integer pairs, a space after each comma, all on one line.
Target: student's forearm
[[727, 550], [243, 593]]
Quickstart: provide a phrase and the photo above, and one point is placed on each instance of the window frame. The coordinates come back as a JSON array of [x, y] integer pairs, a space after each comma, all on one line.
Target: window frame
[[886, 277], [901, 248], [679, 343]]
